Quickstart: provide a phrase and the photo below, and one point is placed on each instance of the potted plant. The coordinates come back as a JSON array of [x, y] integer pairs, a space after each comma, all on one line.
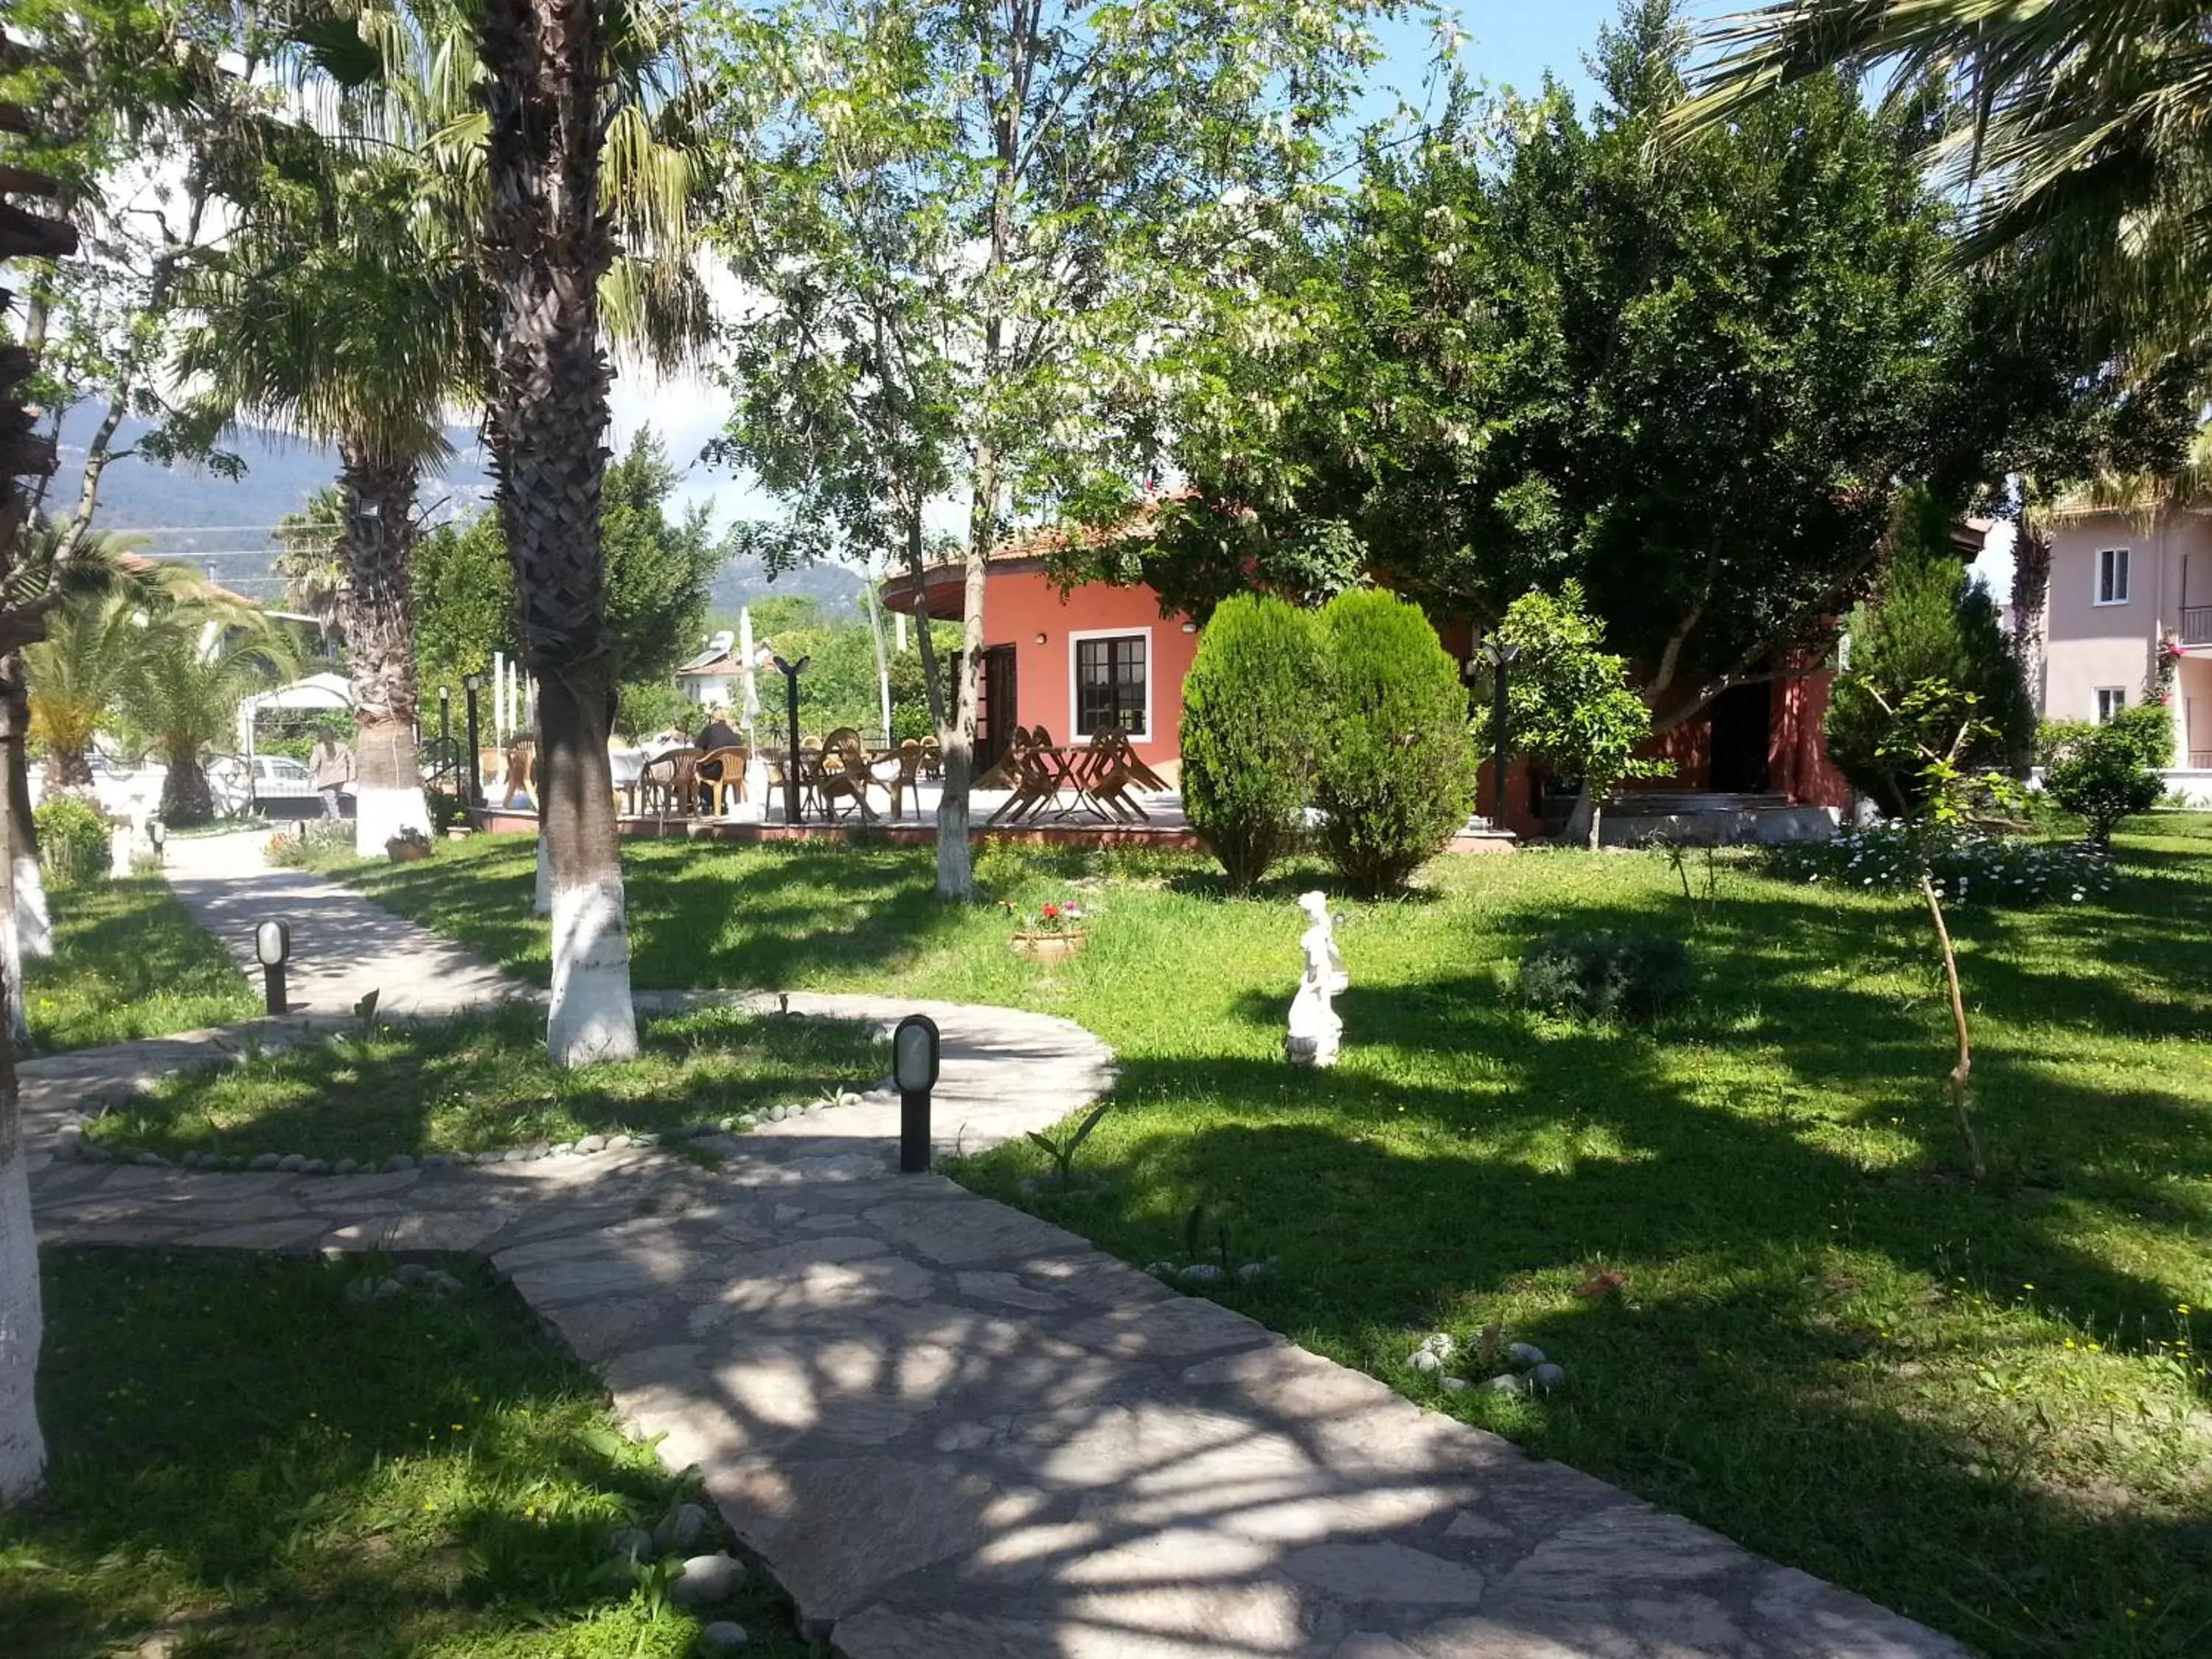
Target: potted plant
[[1054, 935], [407, 846]]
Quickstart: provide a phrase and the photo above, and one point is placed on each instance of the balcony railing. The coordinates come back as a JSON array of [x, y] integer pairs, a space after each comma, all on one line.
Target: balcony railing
[[2200, 760], [2197, 625]]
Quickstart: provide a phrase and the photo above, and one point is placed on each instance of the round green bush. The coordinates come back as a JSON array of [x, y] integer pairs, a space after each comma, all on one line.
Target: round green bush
[[1398, 762], [73, 848], [1606, 976], [1250, 732], [2106, 773]]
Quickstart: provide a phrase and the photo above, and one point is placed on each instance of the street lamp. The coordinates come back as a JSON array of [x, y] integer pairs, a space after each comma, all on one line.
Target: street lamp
[[791, 671], [272, 948], [915, 1048], [1499, 654], [471, 685]]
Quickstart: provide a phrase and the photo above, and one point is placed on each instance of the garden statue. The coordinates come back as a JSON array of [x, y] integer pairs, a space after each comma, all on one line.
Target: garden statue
[[1315, 1030]]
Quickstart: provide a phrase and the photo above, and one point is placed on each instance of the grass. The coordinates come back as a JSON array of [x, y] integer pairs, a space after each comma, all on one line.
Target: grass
[[247, 1464], [130, 962], [1981, 1405], [484, 1082]]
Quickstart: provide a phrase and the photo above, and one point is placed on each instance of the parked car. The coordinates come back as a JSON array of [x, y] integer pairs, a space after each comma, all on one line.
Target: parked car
[[275, 782]]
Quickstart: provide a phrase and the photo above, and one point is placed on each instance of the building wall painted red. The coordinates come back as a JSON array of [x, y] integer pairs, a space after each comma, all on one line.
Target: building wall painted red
[[1025, 610]]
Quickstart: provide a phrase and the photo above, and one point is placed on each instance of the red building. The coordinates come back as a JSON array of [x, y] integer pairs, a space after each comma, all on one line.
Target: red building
[[1098, 654]]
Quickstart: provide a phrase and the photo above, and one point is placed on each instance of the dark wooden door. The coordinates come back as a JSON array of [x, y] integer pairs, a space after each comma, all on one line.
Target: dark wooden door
[[999, 709], [1742, 717]]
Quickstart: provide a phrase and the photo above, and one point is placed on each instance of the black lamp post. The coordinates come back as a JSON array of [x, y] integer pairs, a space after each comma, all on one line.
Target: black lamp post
[[1499, 654], [470, 684], [272, 948], [157, 832], [913, 1068], [791, 671]]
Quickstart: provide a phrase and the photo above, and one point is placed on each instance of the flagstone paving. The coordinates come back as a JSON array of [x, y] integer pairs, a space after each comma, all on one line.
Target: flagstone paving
[[951, 1431]]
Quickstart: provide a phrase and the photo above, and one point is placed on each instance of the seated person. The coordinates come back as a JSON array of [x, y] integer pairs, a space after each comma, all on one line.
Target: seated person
[[717, 733]]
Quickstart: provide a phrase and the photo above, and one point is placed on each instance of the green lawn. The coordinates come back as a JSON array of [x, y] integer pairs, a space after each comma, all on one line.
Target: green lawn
[[1981, 1405], [247, 1463], [484, 1082], [130, 962]]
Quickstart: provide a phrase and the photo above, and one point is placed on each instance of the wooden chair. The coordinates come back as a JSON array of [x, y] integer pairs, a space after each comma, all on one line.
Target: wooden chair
[[1004, 772], [843, 774], [731, 780], [1109, 771], [1035, 782], [907, 780], [668, 787]]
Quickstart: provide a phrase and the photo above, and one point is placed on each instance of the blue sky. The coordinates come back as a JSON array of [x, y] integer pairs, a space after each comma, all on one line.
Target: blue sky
[[1507, 43]]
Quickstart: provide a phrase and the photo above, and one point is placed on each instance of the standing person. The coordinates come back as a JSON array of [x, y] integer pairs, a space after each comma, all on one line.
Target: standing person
[[330, 767], [717, 733]]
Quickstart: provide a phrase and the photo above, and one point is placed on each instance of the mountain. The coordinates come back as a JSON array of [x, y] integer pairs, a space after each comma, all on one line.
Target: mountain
[[744, 580], [227, 525]]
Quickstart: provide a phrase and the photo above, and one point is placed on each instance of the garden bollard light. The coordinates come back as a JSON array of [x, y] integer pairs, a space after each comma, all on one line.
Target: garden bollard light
[[272, 947], [914, 1069], [156, 832]]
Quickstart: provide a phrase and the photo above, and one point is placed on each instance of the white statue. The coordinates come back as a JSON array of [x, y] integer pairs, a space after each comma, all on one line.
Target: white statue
[[1315, 1031]]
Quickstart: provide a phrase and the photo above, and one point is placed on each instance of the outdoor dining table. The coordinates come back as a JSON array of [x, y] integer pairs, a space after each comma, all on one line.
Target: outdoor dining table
[[628, 767]]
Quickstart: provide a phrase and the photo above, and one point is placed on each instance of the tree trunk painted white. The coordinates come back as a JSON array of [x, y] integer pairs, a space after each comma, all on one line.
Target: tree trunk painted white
[[956, 870], [592, 1019], [380, 813], [22, 1325], [34, 926], [542, 904]]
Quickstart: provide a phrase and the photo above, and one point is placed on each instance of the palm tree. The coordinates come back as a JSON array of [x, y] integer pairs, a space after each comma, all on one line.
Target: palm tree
[[2081, 135], [194, 662], [547, 242], [76, 676], [346, 313]]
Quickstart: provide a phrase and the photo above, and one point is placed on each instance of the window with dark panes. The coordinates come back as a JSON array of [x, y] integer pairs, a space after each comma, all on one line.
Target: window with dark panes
[[1110, 684]]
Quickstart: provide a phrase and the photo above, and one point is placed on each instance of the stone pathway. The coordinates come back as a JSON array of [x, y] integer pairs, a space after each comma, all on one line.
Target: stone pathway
[[344, 945], [951, 1431]]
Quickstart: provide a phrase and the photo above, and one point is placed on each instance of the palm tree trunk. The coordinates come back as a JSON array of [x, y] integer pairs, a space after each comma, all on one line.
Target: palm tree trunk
[[35, 928], [547, 244], [2031, 594], [186, 797], [379, 531]]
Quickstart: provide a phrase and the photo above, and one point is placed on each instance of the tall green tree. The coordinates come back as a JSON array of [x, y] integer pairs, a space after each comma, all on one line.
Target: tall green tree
[[974, 228], [660, 567], [1538, 347], [1926, 625]]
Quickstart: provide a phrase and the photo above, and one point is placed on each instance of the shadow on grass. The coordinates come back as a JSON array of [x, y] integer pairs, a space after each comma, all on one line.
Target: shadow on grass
[[244, 1460]]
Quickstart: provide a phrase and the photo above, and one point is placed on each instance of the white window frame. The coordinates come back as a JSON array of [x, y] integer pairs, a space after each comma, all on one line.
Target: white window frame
[[2104, 711], [2123, 566], [1075, 732]]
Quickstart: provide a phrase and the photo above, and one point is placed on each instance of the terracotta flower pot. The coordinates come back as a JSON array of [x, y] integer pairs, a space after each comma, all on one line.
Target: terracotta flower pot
[[1047, 947], [406, 852]]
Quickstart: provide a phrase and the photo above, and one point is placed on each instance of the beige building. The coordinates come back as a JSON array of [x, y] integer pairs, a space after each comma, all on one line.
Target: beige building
[[2121, 584]]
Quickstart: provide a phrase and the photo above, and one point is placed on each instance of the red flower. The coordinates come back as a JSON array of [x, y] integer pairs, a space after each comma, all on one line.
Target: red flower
[[1051, 912]]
